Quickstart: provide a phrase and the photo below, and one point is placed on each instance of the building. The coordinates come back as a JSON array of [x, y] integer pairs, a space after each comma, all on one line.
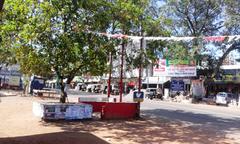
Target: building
[[11, 77], [228, 81]]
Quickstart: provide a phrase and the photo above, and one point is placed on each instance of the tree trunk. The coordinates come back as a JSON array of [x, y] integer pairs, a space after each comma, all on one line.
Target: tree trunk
[[25, 89], [62, 86], [69, 79], [63, 93]]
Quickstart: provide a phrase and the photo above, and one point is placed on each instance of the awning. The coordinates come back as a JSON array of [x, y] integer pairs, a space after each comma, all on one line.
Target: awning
[[155, 80], [131, 83]]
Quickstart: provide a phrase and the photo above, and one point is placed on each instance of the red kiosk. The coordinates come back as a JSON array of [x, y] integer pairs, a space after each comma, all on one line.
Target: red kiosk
[[118, 110]]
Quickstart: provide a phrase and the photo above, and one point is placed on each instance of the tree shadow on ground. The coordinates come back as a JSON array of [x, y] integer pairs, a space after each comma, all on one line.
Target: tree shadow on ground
[[8, 95], [154, 128], [55, 138], [221, 124]]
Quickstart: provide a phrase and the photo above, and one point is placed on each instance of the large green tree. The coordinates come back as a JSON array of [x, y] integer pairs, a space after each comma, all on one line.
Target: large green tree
[[58, 36], [148, 23], [199, 18], [194, 17], [231, 27], [232, 10]]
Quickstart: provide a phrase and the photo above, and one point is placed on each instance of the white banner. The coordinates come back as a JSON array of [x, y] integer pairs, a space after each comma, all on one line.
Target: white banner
[[172, 38], [181, 71], [197, 88], [161, 69]]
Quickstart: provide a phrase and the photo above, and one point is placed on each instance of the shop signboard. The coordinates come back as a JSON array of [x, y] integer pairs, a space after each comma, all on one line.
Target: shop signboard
[[175, 68], [181, 71], [138, 96], [14, 81], [10, 76], [197, 88], [159, 68], [185, 62], [177, 85]]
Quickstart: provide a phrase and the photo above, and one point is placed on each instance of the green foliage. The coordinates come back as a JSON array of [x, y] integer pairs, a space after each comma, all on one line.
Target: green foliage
[[232, 16], [195, 17], [53, 35], [149, 23], [31, 62], [57, 37]]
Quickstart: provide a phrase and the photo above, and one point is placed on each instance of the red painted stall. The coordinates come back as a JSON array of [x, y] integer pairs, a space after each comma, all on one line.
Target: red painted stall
[[97, 106], [119, 111], [113, 110]]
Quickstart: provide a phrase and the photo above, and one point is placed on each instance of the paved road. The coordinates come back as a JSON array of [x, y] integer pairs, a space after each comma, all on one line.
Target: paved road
[[209, 110], [177, 109], [222, 119]]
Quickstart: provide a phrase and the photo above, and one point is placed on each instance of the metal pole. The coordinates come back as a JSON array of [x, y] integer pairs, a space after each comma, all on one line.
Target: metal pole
[[121, 74], [140, 67], [140, 76], [110, 76], [147, 78]]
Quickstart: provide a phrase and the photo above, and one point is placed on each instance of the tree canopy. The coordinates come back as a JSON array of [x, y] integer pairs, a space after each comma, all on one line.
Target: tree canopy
[[60, 37], [204, 18]]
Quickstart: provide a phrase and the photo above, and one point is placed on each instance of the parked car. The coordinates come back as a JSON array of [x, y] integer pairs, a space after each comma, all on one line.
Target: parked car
[[150, 93], [210, 99], [224, 98]]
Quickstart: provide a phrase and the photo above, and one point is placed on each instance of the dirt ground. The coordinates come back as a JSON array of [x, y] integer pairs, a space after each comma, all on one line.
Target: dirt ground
[[19, 126]]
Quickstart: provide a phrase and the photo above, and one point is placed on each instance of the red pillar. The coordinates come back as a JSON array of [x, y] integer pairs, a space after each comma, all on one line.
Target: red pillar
[[121, 74], [140, 77], [110, 76], [140, 67]]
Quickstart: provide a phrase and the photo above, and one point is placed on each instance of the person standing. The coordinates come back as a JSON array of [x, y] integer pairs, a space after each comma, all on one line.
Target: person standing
[[159, 93]]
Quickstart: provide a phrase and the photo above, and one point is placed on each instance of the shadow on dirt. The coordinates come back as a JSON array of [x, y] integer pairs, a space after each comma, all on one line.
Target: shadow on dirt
[[159, 126], [55, 138]]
